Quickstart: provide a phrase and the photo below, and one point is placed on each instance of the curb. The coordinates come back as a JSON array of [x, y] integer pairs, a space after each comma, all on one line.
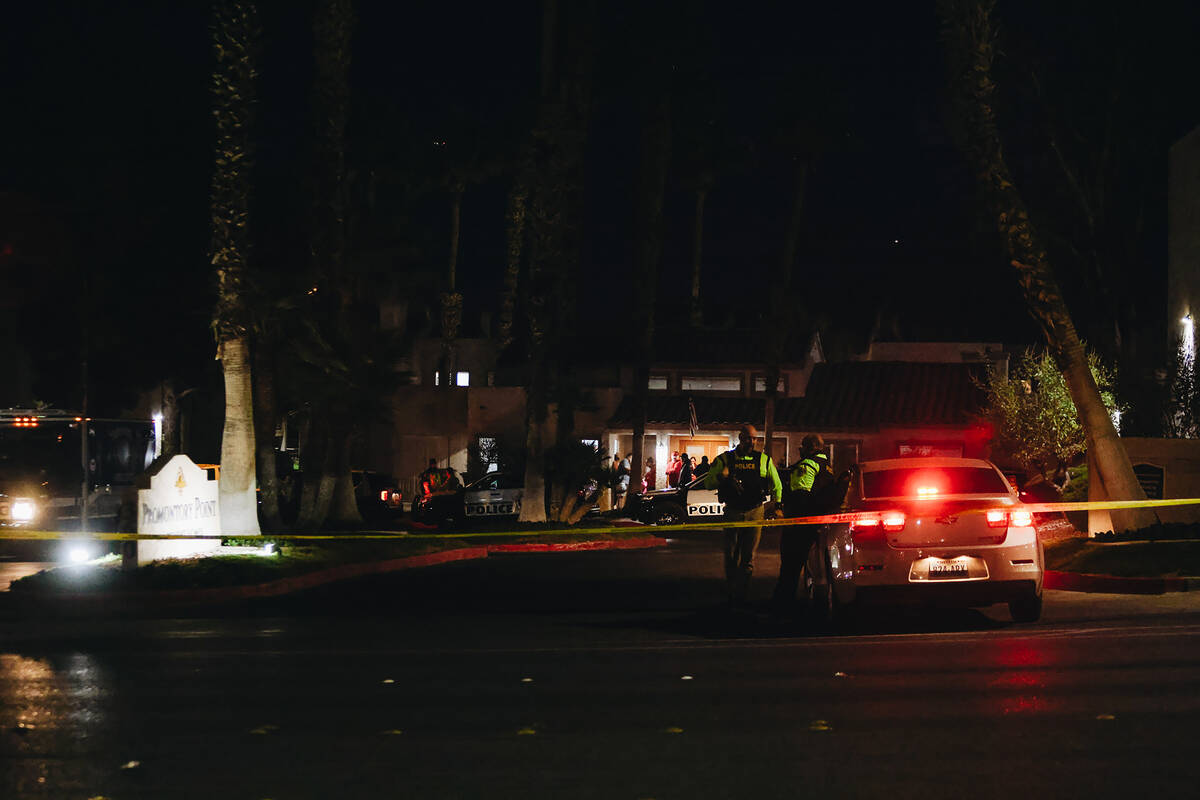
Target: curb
[[614, 544], [91, 603], [1115, 584]]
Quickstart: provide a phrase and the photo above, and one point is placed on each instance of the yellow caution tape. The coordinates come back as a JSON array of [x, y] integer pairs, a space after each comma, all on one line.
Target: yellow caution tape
[[17, 534]]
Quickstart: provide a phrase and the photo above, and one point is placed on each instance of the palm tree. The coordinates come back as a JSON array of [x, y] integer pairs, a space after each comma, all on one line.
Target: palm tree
[[970, 37], [647, 252], [235, 34], [550, 219], [332, 495], [464, 164], [265, 417]]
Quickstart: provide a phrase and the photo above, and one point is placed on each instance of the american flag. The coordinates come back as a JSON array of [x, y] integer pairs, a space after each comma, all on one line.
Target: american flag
[[692, 423]]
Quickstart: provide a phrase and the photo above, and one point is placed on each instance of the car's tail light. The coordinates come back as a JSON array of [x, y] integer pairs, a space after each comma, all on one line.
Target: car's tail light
[[383, 495], [893, 521], [866, 529], [1020, 519], [997, 518]]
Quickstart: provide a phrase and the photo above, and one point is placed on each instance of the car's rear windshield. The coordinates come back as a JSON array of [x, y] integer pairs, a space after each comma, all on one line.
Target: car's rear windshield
[[932, 481]]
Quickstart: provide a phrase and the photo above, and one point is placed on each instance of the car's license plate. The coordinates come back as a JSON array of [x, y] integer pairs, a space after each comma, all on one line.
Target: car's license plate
[[948, 569]]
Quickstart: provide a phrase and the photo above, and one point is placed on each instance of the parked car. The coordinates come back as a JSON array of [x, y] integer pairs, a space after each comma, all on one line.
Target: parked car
[[379, 498], [495, 495], [933, 531], [678, 504]]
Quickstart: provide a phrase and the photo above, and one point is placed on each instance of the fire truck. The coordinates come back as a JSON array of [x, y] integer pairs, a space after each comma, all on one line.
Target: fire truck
[[62, 471]]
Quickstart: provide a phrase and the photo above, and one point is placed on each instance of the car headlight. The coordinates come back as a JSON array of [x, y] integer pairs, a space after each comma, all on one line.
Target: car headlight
[[22, 509]]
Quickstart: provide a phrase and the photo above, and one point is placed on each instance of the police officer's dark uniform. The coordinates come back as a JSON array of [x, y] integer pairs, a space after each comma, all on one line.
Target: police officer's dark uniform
[[742, 477], [812, 490]]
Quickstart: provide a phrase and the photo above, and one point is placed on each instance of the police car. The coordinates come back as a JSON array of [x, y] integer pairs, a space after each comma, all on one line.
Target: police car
[[930, 531], [496, 494], [690, 503]]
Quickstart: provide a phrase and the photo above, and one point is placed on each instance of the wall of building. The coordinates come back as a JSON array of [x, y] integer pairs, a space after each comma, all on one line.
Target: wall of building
[[887, 442], [1179, 462], [446, 425], [934, 352]]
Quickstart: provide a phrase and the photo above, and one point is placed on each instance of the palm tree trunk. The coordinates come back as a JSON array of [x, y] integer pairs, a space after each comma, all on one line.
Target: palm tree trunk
[[265, 414], [533, 502], [970, 37], [451, 300], [515, 235], [655, 158], [555, 210], [319, 479], [562, 494], [238, 498], [333, 28], [343, 509], [235, 31]]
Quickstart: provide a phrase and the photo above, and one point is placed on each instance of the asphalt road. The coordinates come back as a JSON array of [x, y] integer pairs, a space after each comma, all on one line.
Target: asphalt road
[[600, 675]]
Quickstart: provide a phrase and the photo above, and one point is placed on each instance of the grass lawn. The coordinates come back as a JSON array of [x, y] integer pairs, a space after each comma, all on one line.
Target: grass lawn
[[243, 569], [1164, 558]]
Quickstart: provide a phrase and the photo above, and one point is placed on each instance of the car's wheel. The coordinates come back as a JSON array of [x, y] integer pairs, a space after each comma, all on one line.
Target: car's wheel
[[1026, 609], [668, 514]]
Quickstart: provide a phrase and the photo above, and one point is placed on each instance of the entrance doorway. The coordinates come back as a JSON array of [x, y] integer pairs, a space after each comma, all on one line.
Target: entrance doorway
[[699, 446]]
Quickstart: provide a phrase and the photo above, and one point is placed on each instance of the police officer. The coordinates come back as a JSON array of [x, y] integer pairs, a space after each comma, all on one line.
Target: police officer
[[432, 479], [743, 477], [812, 490]]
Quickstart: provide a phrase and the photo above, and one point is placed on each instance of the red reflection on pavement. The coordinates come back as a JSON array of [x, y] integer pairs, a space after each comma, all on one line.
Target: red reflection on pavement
[[1021, 654], [1022, 687], [1020, 680], [1026, 704]]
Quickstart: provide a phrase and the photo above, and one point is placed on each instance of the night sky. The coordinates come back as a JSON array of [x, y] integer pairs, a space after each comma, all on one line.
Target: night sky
[[105, 152]]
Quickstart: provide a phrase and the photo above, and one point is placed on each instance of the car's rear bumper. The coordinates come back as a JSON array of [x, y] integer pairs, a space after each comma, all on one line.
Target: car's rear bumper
[[1009, 570], [966, 593]]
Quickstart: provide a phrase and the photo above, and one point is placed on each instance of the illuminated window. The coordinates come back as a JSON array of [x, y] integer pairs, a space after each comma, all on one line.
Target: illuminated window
[[460, 379], [760, 384], [712, 383], [657, 383], [489, 453]]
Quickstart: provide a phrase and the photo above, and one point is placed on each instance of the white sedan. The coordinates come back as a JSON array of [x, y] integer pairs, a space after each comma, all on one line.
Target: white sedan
[[930, 531]]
